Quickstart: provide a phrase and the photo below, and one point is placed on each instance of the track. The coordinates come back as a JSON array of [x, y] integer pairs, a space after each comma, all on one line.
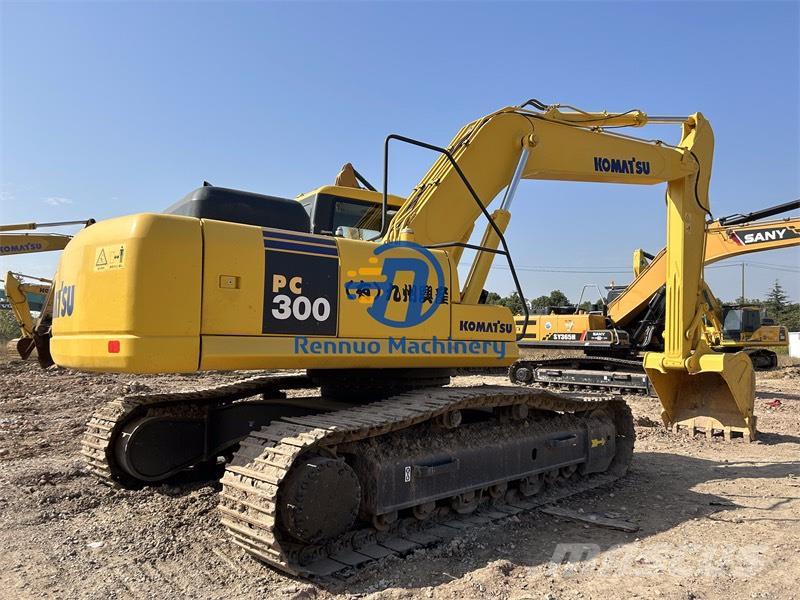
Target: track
[[107, 424], [250, 500], [584, 373]]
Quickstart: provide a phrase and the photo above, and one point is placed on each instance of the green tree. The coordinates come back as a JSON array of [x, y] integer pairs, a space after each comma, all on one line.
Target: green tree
[[556, 298], [513, 302], [540, 302], [493, 298], [8, 325], [777, 300], [790, 317], [741, 301]]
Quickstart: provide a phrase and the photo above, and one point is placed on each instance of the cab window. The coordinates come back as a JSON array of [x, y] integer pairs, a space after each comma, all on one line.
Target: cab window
[[360, 215]]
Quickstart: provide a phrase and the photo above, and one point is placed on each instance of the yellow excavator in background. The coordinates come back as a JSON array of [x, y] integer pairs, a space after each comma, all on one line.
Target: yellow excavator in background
[[630, 320], [323, 481], [34, 331]]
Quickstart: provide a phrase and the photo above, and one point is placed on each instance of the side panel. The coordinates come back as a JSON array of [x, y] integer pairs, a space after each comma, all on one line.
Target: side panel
[[330, 302], [167, 293], [233, 279], [127, 296], [566, 330]]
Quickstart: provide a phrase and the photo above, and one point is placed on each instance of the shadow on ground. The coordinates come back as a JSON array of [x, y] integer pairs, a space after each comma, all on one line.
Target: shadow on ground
[[659, 486]]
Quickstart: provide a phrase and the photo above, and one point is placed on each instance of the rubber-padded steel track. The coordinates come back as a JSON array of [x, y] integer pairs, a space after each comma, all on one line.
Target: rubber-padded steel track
[[249, 501], [104, 425]]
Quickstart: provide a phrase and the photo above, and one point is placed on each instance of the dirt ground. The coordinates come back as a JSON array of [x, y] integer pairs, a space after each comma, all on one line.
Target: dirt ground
[[716, 519]]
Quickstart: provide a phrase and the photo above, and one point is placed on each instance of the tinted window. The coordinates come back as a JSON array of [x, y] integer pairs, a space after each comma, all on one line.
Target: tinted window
[[361, 215]]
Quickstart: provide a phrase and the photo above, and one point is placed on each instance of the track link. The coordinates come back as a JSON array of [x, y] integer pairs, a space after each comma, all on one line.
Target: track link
[[251, 485], [105, 425]]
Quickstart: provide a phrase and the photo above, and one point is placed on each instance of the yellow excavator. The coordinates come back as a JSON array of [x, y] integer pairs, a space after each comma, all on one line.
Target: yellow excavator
[[378, 456], [630, 320], [34, 331]]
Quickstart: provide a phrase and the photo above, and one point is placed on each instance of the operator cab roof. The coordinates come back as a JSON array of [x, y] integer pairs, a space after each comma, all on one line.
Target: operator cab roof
[[312, 212], [248, 208]]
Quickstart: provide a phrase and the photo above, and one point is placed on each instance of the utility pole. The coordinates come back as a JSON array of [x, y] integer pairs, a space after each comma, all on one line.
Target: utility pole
[[743, 296]]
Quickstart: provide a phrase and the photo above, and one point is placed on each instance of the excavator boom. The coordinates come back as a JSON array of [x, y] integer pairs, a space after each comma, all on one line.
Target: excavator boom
[[35, 332], [29, 243]]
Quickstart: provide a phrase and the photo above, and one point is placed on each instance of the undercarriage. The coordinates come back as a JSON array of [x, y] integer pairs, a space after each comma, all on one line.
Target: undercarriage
[[314, 486], [583, 373], [604, 374]]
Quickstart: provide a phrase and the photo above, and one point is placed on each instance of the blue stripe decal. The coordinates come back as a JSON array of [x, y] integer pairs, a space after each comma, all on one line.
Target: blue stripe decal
[[277, 245], [298, 237]]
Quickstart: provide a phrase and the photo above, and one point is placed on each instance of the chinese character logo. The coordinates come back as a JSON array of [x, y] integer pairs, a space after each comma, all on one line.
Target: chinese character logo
[[420, 298]]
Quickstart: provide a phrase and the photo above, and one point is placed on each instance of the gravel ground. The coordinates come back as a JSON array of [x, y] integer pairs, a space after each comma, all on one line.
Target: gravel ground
[[716, 519]]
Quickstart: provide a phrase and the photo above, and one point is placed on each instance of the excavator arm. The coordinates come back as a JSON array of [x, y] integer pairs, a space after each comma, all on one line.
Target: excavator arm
[[493, 152], [734, 240]]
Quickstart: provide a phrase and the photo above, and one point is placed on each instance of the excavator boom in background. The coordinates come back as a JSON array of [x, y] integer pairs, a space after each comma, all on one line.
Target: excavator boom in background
[[19, 288], [724, 239], [631, 318], [361, 290]]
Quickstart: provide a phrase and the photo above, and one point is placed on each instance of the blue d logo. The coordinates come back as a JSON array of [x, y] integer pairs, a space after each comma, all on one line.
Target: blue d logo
[[422, 299]]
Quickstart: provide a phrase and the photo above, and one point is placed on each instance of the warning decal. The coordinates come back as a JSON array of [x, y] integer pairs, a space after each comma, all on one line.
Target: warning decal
[[109, 258]]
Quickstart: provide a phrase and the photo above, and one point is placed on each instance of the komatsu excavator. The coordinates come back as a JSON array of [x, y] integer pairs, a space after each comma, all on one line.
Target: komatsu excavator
[[633, 319], [34, 331], [384, 454]]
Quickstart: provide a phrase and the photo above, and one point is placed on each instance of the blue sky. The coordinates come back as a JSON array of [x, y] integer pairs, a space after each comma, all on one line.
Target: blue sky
[[115, 108]]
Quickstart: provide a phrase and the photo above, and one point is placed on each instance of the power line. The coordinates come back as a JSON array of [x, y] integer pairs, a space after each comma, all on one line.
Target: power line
[[627, 270], [758, 265], [576, 270]]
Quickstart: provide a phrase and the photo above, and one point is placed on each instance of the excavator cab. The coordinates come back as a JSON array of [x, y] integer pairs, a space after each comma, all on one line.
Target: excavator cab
[[332, 210], [740, 323]]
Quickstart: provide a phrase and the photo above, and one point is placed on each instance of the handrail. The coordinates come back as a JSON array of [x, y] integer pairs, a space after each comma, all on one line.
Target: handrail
[[385, 204]]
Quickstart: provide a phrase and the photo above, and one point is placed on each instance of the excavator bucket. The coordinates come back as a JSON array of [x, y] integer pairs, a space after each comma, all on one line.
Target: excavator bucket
[[715, 395], [25, 347]]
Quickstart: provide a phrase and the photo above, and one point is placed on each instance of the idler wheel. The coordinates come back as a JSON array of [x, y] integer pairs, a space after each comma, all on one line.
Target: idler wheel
[[320, 499], [522, 375]]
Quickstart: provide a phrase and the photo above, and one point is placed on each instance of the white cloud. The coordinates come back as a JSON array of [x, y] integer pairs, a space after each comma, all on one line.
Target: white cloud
[[57, 201]]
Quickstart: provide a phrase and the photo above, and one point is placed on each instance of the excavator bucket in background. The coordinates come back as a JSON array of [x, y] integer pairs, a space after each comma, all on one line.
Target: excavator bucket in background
[[721, 384]]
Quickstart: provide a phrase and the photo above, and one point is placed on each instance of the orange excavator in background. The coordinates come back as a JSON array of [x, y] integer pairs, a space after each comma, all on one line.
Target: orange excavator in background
[[630, 319]]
